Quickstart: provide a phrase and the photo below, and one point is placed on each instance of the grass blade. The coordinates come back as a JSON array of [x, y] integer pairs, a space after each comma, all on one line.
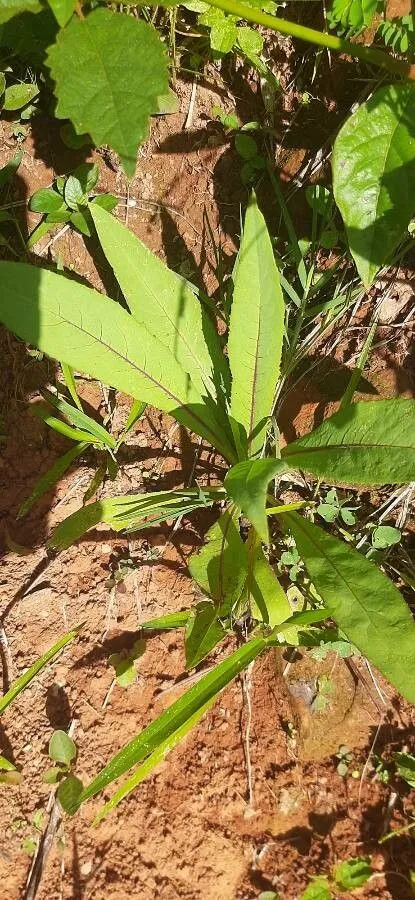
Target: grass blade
[[152, 761], [24, 680], [51, 477], [175, 717], [68, 375], [79, 419]]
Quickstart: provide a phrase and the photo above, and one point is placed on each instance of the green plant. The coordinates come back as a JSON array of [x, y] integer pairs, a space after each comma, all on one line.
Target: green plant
[[63, 752], [228, 400], [75, 424], [346, 876], [124, 663], [67, 202], [332, 508], [9, 773]]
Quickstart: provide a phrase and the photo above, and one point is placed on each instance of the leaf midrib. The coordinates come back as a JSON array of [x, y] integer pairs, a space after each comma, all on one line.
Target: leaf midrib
[[182, 406], [205, 376], [327, 448], [322, 552]]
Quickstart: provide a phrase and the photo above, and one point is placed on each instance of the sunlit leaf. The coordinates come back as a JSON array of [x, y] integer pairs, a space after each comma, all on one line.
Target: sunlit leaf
[[365, 604], [256, 329], [374, 175], [365, 443], [108, 70], [247, 483]]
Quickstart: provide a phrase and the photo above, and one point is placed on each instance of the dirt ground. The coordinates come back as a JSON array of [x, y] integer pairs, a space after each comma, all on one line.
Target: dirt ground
[[189, 831]]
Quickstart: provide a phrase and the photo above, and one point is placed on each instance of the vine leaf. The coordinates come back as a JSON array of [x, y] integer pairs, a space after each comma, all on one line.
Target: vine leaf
[[109, 70]]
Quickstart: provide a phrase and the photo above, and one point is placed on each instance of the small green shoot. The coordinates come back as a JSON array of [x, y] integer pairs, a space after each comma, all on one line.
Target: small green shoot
[[124, 663], [63, 752], [332, 508], [67, 202]]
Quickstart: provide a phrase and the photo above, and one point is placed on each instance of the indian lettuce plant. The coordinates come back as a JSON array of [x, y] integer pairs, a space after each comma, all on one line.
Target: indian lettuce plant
[[166, 351]]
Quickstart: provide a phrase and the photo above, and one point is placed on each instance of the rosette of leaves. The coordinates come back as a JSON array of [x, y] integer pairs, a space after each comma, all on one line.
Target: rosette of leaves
[[166, 351]]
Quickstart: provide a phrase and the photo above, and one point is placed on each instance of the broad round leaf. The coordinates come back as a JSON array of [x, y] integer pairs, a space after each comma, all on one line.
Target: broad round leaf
[[374, 175], [62, 748], [109, 69]]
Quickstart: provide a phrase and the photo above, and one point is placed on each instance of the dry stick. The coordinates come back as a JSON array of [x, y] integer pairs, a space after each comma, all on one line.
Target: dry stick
[[369, 757], [247, 688], [189, 118], [46, 841], [6, 659]]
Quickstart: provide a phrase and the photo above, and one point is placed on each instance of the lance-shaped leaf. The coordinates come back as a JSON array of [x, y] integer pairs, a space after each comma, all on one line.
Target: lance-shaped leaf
[[128, 513], [62, 10], [256, 329], [95, 335], [269, 602], [152, 761], [109, 69], [365, 443], [79, 419], [162, 301], [365, 604], [247, 483], [203, 633], [220, 567], [176, 715], [374, 175]]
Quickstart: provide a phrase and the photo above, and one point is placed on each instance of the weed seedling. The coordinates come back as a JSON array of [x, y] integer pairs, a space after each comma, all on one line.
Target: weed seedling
[[346, 876], [63, 752], [68, 202]]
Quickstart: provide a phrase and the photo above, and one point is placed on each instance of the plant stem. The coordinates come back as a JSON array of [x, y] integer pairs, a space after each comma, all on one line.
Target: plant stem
[[368, 54]]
